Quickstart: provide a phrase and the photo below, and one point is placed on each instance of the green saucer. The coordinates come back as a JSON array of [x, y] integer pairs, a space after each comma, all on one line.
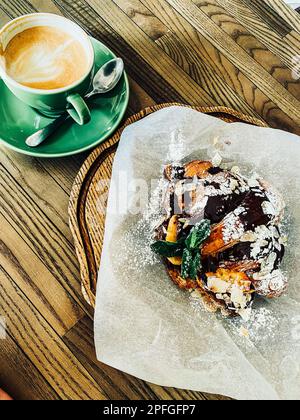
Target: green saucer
[[18, 121]]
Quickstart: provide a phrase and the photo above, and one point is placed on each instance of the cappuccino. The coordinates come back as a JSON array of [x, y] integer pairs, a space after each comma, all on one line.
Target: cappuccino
[[45, 57]]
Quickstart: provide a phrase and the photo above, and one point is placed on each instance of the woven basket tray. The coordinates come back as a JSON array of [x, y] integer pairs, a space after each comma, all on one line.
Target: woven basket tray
[[89, 195]]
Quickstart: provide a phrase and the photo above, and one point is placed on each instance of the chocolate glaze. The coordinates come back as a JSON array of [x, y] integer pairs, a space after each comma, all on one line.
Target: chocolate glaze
[[254, 215], [220, 205], [178, 172], [214, 170], [238, 253]]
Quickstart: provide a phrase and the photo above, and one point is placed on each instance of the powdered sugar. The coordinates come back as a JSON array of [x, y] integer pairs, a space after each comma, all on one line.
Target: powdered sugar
[[261, 320], [233, 228]]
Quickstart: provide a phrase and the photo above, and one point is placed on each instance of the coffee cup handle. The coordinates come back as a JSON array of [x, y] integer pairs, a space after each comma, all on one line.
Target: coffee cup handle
[[79, 111]]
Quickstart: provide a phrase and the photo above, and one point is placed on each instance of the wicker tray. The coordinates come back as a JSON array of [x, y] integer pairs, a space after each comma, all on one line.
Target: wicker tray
[[89, 195]]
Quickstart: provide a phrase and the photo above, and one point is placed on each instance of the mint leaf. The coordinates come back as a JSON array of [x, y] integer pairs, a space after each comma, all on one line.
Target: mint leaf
[[187, 248], [198, 234], [195, 265], [187, 258], [168, 249]]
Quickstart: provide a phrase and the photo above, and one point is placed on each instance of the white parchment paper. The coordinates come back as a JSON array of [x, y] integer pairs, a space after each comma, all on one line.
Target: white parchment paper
[[145, 325]]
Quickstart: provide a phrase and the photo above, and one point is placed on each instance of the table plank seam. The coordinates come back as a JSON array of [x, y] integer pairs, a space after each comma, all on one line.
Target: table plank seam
[[219, 83], [247, 41], [271, 40], [75, 294], [30, 362], [105, 376], [175, 75], [145, 69], [72, 383], [287, 102], [21, 8], [269, 15]]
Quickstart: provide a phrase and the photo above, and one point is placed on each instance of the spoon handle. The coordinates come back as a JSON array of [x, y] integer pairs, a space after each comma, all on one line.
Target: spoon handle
[[40, 136], [91, 94]]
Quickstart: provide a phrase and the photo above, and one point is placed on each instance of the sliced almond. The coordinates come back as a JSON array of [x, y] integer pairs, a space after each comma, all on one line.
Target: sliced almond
[[217, 286]]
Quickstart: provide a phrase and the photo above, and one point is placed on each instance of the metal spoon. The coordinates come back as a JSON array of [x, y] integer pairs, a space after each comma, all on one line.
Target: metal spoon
[[106, 79]]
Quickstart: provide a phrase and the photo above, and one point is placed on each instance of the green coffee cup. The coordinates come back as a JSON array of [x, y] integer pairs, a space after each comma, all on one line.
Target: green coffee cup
[[51, 102]]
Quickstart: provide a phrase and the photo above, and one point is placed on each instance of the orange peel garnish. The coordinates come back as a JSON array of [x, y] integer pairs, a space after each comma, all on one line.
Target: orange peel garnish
[[172, 233]]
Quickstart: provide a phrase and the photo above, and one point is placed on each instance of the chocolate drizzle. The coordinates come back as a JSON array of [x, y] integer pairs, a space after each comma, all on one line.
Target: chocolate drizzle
[[219, 206], [254, 215]]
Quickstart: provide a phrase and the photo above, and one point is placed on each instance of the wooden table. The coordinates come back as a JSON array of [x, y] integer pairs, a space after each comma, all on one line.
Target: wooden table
[[240, 53]]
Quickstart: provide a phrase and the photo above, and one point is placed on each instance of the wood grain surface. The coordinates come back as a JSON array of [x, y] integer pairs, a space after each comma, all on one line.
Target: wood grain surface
[[243, 54]]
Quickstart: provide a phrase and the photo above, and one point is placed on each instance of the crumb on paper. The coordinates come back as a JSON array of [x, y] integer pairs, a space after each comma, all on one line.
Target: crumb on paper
[[244, 332], [217, 159]]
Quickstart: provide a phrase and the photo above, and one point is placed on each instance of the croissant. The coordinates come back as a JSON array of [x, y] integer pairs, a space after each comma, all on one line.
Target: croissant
[[242, 255]]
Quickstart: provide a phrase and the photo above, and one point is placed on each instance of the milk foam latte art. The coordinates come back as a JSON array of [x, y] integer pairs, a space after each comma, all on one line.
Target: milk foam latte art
[[45, 57], [47, 62]]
